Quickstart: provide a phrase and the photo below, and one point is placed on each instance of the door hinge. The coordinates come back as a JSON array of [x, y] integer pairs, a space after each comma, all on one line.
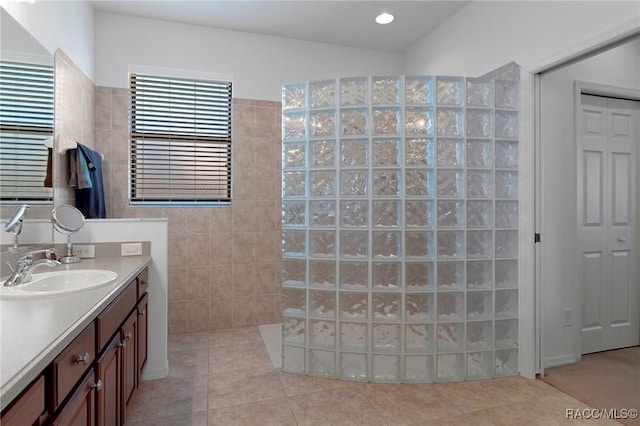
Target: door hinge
[[536, 237]]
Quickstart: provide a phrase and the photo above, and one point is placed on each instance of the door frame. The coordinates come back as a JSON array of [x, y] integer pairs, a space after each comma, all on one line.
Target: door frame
[[596, 89]]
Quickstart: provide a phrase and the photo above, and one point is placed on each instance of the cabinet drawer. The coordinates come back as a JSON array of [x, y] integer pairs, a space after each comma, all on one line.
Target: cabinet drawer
[[72, 363], [143, 283], [109, 321], [28, 407]]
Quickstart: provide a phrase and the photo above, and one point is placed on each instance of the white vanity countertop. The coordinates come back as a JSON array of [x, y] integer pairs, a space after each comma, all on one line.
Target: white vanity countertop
[[35, 331]]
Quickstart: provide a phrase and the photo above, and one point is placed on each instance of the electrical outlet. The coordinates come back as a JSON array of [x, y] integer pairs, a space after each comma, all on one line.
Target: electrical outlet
[[131, 249], [87, 251]]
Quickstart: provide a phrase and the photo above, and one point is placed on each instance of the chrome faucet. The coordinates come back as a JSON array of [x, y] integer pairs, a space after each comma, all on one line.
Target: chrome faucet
[[25, 265]]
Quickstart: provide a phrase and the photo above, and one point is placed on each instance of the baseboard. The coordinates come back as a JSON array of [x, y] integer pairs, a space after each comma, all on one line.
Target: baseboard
[[555, 361], [156, 373]]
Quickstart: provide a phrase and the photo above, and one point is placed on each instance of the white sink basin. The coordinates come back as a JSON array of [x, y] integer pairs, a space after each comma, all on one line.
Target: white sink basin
[[58, 282]]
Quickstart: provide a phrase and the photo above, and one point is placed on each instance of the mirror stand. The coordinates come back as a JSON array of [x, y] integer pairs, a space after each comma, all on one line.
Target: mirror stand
[[67, 220], [69, 258]]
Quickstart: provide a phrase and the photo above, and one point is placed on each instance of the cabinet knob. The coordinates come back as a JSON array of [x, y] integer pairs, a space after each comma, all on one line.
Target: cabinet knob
[[122, 344], [128, 335], [82, 359], [142, 313], [97, 385]]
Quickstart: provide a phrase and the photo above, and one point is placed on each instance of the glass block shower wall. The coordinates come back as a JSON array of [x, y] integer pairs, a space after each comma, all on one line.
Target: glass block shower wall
[[399, 228]]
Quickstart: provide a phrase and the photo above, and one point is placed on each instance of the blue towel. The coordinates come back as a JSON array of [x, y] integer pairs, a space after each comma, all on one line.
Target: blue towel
[[80, 168], [90, 200]]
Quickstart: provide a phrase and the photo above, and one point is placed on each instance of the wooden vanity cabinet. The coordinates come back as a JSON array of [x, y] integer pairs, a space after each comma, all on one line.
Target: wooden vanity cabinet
[[29, 408], [143, 327]]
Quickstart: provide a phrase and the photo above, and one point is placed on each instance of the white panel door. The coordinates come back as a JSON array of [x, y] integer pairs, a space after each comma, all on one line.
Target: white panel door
[[609, 278]]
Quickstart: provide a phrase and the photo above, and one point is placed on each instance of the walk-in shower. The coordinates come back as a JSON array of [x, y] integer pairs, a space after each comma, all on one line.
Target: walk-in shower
[[399, 228]]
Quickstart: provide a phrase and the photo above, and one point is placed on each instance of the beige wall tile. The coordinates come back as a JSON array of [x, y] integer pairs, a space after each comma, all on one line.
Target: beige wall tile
[[220, 314], [177, 317], [177, 288], [220, 282], [243, 280], [265, 309], [265, 281], [219, 248], [243, 247], [243, 311], [197, 315], [198, 283]]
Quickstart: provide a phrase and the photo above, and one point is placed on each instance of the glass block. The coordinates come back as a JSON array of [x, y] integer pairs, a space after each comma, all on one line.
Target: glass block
[[419, 183], [419, 121], [479, 153], [386, 183], [506, 333], [294, 242], [479, 184], [353, 306], [419, 90], [449, 91], [386, 275], [294, 184], [479, 365], [322, 183], [354, 243], [450, 244], [450, 214], [353, 122], [322, 124], [450, 152], [506, 273], [479, 123], [419, 213], [450, 337], [418, 369], [507, 154], [479, 274], [353, 367], [322, 243], [451, 367], [507, 244], [386, 244], [479, 335], [353, 91], [419, 338], [294, 125], [419, 307], [354, 213], [294, 330], [451, 276], [386, 121], [451, 183], [353, 336], [419, 244], [386, 152], [354, 152], [506, 363], [293, 359], [293, 213], [451, 306], [507, 94], [294, 272], [322, 363], [419, 275], [294, 154], [322, 213], [506, 303], [386, 306], [354, 275], [450, 122], [295, 300], [322, 153], [507, 124], [322, 304], [385, 368], [479, 244], [385, 337], [386, 213], [419, 152], [322, 94], [322, 334], [479, 92], [294, 96], [479, 214], [322, 273], [385, 90], [479, 305], [506, 184], [353, 183], [506, 214]]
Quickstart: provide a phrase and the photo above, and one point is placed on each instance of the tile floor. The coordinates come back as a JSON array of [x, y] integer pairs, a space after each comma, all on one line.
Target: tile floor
[[226, 378]]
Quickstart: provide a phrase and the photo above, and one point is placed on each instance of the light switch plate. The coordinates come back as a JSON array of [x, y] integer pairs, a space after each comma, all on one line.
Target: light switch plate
[[131, 249]]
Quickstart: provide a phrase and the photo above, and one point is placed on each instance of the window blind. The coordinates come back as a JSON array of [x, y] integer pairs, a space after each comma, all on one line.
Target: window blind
[[180, 133], [26, 120]]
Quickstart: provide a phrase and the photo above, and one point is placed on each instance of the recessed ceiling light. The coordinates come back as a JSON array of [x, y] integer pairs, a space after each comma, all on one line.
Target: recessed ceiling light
[[385, 18]]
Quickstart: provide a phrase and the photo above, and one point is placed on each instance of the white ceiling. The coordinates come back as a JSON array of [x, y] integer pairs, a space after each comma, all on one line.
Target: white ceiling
[[346, 23]]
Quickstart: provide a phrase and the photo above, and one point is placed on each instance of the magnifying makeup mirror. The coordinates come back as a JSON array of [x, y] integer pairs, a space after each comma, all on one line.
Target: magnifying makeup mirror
[[14, 225], [67, 220]]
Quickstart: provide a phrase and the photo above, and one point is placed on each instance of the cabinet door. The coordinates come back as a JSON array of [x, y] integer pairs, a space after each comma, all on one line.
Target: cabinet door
[[28, 408], [143, 326], [80, 409], [108, 371], [129, 364]]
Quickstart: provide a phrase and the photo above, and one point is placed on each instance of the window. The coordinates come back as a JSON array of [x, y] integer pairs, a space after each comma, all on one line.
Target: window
[[26, 121], [180, 141]]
